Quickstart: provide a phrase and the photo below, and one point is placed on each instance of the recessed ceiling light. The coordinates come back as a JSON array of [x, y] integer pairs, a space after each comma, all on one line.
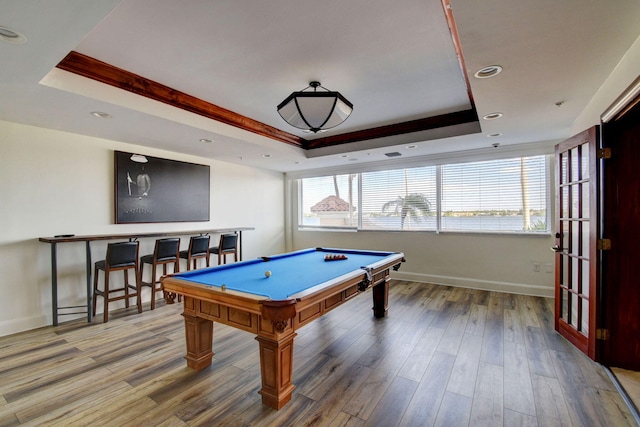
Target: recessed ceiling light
[[393, 154], [487, 72], [411, 147], [493, 135], [492, 116], [11, 36], [206, 140], [266, 156], [101, 114]]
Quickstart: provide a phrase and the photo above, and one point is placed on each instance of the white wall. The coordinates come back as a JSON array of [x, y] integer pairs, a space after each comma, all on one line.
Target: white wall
[[492, 262], [495, 262], [627, 70], [54, 182]]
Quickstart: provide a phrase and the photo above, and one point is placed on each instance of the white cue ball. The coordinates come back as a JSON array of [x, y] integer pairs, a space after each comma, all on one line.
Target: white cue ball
[[267, 273]]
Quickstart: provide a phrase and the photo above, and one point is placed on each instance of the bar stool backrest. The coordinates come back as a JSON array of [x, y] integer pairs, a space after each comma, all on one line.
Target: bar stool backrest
[[167, 249], [122, 254], [228, 242], [199, 245]]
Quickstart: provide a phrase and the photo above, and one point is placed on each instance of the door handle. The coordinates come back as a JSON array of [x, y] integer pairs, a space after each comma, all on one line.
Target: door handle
[[556, 248]]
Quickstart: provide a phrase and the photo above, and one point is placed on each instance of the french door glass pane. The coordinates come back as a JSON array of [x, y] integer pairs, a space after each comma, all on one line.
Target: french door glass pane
[[585, 317], [585, 278], [585, 162], [575, 176], [585, 239], [574, 311], [575, 235], [575, 201], [564, 311], [584, 187]]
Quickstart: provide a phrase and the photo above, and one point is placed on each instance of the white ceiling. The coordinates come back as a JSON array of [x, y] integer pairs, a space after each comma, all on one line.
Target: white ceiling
[[395, 61]]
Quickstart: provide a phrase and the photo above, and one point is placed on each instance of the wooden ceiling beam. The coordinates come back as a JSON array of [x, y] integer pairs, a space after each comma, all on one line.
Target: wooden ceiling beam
[[94, 69], [427, 123]]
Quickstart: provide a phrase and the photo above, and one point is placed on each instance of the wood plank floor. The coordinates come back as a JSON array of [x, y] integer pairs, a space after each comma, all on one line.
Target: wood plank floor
[[444, 356], [630, 381]]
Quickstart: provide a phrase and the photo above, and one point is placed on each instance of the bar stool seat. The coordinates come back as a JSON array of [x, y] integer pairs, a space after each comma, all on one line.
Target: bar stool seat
[[198, 249], [123, 257], [228, 246], [166, 252]]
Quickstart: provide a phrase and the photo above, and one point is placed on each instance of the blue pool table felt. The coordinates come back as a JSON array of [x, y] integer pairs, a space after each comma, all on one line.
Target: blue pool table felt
[[291, 273]]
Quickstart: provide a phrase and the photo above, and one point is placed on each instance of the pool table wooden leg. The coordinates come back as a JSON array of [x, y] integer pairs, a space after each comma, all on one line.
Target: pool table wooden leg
[[381, 298], [276, 366], [199, 337]]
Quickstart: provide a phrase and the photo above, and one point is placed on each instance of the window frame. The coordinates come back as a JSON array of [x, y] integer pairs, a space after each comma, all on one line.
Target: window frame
[[544, 150]]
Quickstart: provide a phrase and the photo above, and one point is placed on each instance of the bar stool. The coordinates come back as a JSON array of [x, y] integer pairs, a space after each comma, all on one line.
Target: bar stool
[[166, 251], [198, 249], [123, 257], [228, 246]]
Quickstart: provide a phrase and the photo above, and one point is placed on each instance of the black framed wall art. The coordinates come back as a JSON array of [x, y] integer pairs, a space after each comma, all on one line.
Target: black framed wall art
[[150, 189]]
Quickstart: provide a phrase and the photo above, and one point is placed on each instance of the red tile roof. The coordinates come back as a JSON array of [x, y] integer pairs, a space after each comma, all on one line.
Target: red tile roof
[[331, 204]]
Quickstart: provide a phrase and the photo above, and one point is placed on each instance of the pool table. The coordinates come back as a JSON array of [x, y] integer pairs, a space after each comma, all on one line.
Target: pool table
[[272, 297]]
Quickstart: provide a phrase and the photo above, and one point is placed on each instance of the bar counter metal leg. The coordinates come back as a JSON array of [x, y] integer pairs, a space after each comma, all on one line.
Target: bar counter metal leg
[[89, 289], [54, 284]]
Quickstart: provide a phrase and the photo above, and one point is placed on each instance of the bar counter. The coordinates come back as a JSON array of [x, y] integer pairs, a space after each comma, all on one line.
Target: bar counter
[[69, 238]]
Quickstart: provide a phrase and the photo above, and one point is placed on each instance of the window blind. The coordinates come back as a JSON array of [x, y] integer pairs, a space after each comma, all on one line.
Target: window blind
[[507, 195], [401, 199], [329, 201], [498, 195]]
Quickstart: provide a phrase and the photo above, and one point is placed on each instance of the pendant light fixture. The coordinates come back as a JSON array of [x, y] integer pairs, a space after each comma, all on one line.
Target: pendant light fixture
[[313, 110]]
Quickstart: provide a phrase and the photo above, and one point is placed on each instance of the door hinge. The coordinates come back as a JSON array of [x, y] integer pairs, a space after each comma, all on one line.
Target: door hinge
[[604, 244], [602, 334], [604, 153]]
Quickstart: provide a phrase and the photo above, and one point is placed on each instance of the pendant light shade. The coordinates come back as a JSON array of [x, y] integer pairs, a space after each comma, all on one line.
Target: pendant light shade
[[138, 158], [315, 111]]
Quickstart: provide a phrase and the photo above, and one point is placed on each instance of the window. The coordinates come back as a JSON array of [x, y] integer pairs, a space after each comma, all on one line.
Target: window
[[508, 195], [401, 199], [330, 201], [497, 195]]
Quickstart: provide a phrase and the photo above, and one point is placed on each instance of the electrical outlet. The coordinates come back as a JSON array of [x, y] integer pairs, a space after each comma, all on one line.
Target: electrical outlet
[[536, 267], [549, 268]]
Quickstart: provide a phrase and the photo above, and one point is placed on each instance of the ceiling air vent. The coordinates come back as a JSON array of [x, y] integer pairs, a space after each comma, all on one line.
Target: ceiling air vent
[[394, 154]]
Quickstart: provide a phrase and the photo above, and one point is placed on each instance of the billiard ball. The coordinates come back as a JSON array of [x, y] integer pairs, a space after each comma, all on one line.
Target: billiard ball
[[267, 273]]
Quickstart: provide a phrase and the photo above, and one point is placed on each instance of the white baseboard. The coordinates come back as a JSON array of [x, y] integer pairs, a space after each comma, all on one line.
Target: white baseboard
[[485, 285], [14, 326]]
